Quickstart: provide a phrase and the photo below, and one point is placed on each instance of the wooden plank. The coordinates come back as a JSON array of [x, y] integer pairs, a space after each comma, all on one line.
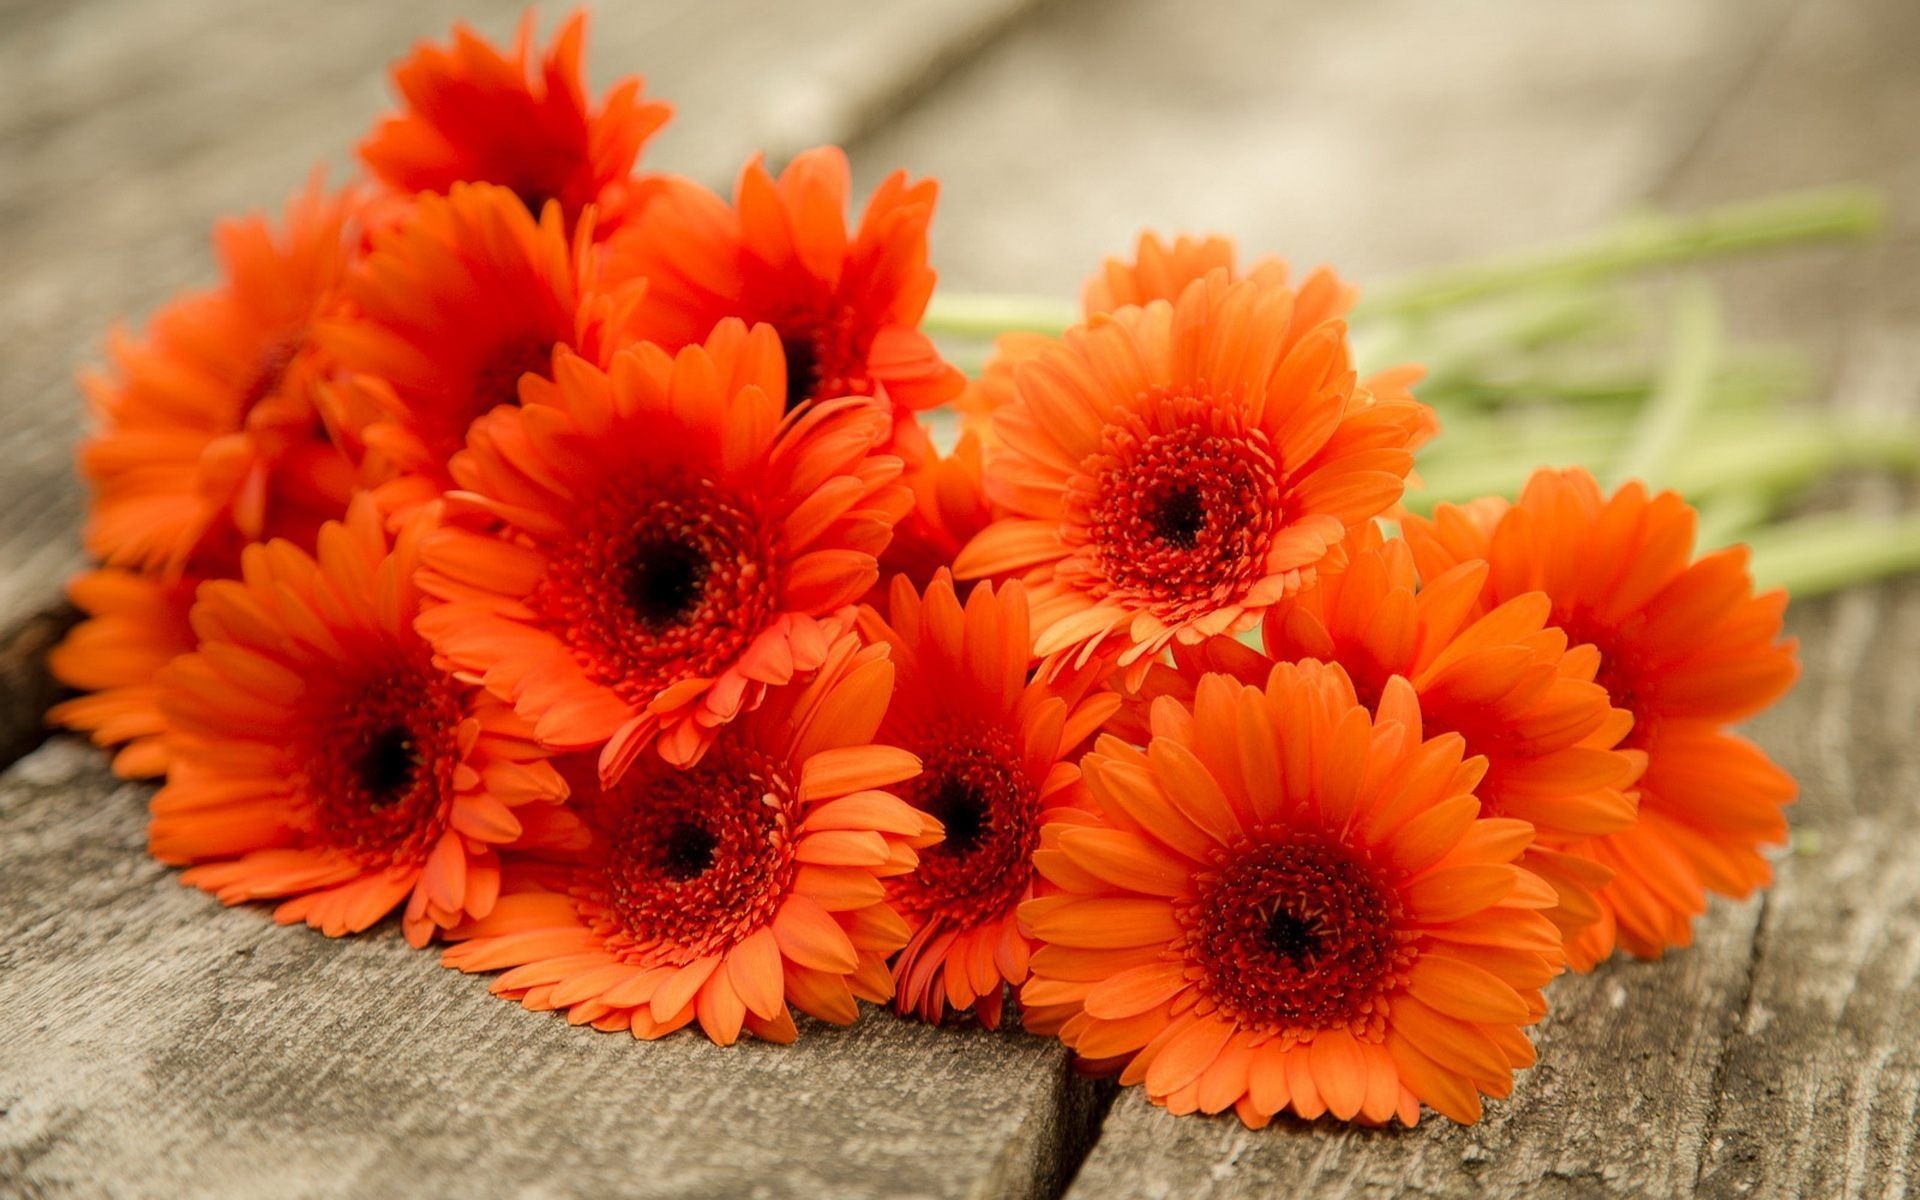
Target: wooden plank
[[1378, 137], [132, 126], [159, 1045]]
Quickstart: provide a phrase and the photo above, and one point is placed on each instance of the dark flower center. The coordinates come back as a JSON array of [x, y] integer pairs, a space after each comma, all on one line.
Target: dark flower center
[[1296, 933], [1180, 517], [1291, 938], [688, 862], [388, 765], [959, 805], [803, 367], [1179, 507], [666, 581], [377, 765], [972, 782], [689, 850]]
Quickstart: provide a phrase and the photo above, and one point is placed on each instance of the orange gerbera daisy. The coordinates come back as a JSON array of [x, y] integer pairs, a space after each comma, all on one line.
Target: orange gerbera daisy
[[136, 624], [667, 545], [476, 115], [847, 304], [1504, 680], [950, 504], [997, 752], [208, 435], [1686, 647], [1161, 271], [321, 756], [1172, 471], [726, 891], [454, 306], [1286, 902]]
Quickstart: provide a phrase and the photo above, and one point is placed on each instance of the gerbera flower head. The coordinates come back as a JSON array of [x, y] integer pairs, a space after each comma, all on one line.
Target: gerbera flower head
[[847, 303], [666, 545], [1161, 270], [997, 751], [455, 305], [135, 625], [208, 436], [476, 114], [1685, 646], [1171, 471], [1503, 679], [321, 758], [729, 890], [950, 505], [1289, 903]]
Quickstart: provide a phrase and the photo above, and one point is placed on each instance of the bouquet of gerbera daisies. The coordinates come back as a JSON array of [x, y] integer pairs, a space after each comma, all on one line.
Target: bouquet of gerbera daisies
[[618, 583]]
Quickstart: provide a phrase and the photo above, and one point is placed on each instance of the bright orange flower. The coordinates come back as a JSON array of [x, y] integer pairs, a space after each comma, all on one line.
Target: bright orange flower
[[321, 756], [1159, 271], [1286, 902], [1504, 680], [729, 890], [453, 307], [476, 115], [847, 303], [667, 546], [136, 624], [997, 754], [950, 505], [1686, 647], [208, 435], [1172, 471]]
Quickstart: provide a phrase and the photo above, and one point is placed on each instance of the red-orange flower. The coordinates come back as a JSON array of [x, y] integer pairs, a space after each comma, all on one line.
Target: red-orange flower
[[666, 545], [996, 751], [451, 309], [1161, 271], [208, 436], [729, 890], [1171, 471], [136, 624], [1286, 902], [847, 303], [1686, 647], [950, 505], [476, 115], [321, 757]]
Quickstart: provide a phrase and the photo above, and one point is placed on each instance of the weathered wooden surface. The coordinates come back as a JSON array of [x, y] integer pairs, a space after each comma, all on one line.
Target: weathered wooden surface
[[151, 1043], [155, 1045]]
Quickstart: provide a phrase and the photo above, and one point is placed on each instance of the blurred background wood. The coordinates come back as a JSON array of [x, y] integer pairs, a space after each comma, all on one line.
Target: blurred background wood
[[152, 1044]]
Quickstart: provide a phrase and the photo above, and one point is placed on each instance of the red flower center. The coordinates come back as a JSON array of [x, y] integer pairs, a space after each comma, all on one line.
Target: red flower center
[[662, 585], [1178, 508], [378, 773], [688, 863], [1292, 933], [825, 357], [972, 783]]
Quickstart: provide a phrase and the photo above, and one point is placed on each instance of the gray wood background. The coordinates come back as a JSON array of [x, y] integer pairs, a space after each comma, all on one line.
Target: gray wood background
[[152, 1044]]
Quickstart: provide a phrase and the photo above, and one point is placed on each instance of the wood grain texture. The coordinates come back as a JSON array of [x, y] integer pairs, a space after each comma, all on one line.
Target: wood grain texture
[[158, 1045], [1380, 137], [132, 125]]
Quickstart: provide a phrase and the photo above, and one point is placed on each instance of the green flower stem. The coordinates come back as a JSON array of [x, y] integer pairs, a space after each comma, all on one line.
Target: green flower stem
[[1731, 517], [1684, 386], [1815, 555], [1737, 457], [1831, 213], [982, 317]]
